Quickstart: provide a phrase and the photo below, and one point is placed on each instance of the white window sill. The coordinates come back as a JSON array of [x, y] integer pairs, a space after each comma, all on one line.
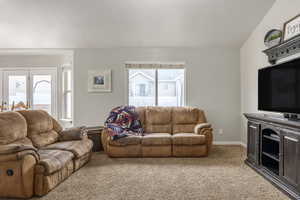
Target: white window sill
[[66, 120]]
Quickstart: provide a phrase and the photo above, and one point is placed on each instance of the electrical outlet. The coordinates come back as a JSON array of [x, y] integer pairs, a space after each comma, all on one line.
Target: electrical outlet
[[220, 131]]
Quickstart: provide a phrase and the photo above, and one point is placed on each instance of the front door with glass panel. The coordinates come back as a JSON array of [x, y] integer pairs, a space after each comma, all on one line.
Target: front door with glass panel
[[35, 88]]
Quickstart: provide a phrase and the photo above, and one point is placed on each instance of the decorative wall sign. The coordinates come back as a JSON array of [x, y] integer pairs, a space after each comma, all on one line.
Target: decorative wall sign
[[99, 80], [273, 37], [291, 28]]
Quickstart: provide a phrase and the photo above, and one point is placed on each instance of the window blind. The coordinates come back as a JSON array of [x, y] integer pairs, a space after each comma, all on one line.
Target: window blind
[[154, 65]]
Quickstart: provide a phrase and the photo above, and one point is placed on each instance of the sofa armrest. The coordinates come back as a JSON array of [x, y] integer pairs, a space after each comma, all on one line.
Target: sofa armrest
[[200, 127], [76, 133], [12, 152], [205, 129], [105, 139], [17, 166]]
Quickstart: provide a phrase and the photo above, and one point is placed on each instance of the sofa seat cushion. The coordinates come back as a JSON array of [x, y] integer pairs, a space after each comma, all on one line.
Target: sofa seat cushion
[[188, 139], [130, 140], [77, 147], [157, 139], [54, 160]]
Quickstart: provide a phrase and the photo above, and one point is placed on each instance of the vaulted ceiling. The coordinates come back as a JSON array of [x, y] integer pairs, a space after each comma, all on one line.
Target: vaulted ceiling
[[128, 23]]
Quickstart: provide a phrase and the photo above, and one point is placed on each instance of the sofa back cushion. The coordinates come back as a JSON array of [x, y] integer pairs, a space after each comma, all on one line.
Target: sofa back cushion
[[186, 118], [170, 119], [141, 112], [158, 120], [13, 127], [40, 127]]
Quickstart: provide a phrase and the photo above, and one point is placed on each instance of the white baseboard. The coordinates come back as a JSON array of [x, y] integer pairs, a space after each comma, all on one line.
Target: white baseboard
[[230, 143]]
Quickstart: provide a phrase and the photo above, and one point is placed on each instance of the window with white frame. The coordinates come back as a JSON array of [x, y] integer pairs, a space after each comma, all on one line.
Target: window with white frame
[[34, 88], [67, 93], [156, 84], [37, 88]]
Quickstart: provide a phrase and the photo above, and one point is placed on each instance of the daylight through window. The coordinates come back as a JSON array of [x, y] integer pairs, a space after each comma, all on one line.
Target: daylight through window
[[156, 87]]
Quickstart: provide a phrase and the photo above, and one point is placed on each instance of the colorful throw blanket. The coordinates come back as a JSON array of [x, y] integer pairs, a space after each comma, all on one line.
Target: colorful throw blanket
[[123, 121]]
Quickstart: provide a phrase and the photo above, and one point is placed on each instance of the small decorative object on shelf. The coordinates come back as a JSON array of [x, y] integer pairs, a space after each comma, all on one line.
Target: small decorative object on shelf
[[94, 133], [19, 106], [273, 37], [3, 106], [289, 44], [283, 50], [291, 28]]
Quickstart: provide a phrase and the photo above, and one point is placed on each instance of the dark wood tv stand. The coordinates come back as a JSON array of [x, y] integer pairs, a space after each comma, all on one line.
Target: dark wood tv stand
[[273, 150]]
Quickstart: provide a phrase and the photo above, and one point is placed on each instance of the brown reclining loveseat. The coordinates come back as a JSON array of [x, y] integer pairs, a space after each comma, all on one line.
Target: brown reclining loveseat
[[36, 154], [169, 131]]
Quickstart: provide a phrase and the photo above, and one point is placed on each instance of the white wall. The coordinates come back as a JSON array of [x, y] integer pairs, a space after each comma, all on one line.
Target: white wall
[[31, 60], [212, 83], [252, 58], [128, 23]]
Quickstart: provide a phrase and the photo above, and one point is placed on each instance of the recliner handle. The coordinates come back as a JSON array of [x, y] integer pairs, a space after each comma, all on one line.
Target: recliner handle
[[10, 172]]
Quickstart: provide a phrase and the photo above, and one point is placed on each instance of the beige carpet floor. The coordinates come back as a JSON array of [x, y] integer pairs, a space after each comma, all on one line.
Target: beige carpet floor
[[222, 175]]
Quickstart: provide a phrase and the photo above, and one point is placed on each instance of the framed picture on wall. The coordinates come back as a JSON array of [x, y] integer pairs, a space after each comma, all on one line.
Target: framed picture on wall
[[291, 28], [99, 80]]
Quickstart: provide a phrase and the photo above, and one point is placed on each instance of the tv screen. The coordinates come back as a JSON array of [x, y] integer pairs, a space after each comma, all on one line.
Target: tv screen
[[279, 87]]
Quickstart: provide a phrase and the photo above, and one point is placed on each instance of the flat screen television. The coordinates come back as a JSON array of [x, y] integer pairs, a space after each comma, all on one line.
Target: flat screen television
[[279, 87]]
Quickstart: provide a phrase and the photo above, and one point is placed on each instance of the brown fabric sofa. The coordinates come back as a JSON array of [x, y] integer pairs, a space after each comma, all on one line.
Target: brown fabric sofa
[[170, 131], [35, 153]]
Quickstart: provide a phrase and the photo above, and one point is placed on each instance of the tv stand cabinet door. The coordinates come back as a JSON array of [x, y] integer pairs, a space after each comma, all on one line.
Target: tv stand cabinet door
[[290, 158], [253, 142]]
